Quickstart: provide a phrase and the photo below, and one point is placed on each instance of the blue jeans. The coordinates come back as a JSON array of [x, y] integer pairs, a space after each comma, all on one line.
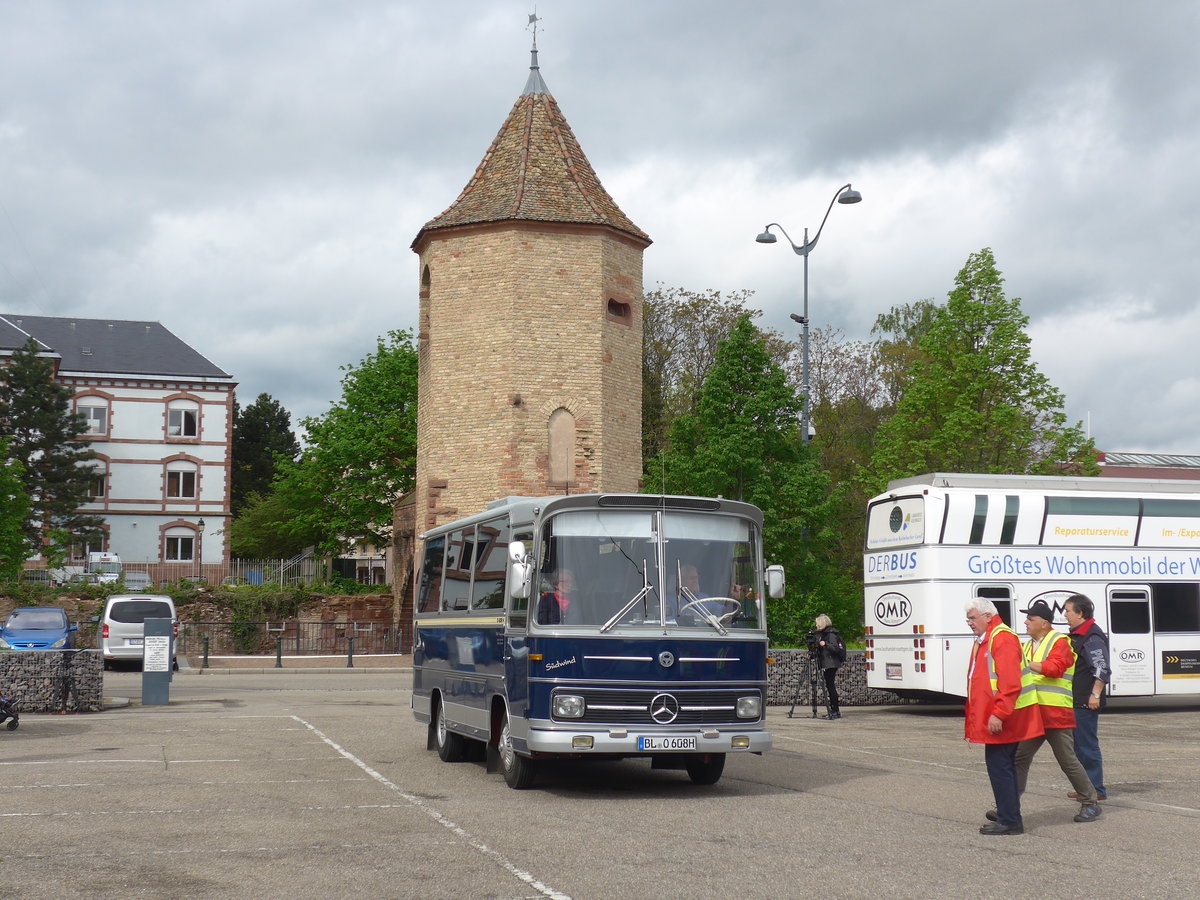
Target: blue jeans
[[1087, 744], [1002, 770]]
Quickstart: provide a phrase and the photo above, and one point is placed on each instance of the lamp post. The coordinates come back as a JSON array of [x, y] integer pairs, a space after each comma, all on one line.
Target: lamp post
[[199, 554], [844, 194]]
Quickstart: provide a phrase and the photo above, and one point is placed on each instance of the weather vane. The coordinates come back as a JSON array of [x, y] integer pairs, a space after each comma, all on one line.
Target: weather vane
[[533, 26]]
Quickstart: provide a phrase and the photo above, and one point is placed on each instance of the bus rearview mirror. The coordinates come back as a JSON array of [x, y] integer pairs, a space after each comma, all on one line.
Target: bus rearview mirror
[[775, 582]]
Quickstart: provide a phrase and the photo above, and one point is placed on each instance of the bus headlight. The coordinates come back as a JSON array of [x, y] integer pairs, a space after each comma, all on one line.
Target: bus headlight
[[568, 706], [749, 707]]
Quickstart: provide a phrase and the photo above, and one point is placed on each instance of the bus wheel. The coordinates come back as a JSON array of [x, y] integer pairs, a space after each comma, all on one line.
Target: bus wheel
[[518, 770], [449, 745], [706, 768]]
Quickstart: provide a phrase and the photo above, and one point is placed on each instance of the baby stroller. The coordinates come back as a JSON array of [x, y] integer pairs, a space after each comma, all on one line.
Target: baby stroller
[[8, 711]]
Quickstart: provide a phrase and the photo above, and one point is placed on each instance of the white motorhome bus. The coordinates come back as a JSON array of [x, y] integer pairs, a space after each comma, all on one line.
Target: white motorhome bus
[[935, 541]]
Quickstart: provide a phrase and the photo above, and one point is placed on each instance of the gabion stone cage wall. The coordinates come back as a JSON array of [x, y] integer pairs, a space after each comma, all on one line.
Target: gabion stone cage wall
[[791, 670], [46, 681]]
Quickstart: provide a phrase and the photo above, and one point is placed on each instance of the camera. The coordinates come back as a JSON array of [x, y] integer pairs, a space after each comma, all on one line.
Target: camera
[[812, 641]]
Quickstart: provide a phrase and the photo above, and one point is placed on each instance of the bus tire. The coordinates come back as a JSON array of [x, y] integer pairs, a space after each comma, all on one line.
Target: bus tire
[[449, 745], [705, 768], [518, 771]]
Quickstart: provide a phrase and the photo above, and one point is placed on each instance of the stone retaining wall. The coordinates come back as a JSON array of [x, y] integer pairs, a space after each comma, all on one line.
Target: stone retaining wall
[[791, 670], [53, 680]]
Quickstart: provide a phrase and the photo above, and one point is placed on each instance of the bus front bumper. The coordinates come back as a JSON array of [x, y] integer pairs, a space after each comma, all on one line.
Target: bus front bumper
[[635, 742]]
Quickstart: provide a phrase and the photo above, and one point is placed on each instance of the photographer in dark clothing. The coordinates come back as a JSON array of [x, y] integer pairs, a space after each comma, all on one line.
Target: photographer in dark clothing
[[830, 652]]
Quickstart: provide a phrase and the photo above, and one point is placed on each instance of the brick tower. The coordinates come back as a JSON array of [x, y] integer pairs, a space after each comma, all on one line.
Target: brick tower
[[530, 327]]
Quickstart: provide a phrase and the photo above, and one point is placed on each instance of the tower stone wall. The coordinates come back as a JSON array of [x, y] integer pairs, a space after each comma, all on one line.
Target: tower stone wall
[[518, 320]]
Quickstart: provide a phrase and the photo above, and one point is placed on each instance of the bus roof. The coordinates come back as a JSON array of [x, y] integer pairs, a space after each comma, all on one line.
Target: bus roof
[[1048, 483], [528, 508]]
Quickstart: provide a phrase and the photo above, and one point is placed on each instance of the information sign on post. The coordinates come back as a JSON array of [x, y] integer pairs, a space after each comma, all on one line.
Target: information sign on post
[[156, 662]]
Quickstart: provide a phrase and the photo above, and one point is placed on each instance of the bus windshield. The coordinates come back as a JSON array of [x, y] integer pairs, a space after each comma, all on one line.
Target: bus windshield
[[607, 568]]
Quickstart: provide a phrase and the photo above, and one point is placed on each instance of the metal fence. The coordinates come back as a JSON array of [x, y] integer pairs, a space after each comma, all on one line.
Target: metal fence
[[293, 637], [303, 569]]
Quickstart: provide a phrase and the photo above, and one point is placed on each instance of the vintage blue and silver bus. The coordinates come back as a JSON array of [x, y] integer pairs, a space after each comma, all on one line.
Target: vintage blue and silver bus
[[595, 625], [935, 541]]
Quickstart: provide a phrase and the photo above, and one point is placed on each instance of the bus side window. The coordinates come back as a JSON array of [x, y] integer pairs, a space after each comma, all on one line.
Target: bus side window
[[456, 586], [521, 604], [431, 575], [491, 561]]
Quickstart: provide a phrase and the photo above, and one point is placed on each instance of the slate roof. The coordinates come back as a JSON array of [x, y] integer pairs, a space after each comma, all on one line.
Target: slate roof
[[109, 346], [534, 170]]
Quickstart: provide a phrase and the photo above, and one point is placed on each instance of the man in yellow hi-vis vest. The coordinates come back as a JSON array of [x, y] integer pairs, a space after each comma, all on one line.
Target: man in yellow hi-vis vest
[[1050, 659]]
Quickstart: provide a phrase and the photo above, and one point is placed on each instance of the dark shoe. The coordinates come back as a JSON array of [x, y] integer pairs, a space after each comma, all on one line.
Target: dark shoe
[[991, 816], [1100, 795], [1089, 812], [997, 828]]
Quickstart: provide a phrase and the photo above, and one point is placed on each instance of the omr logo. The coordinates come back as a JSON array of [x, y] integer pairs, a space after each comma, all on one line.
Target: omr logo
[[893, 609], [1132, 656]]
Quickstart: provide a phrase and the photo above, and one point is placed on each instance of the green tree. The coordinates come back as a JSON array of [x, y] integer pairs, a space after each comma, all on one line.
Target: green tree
[[45, 436], [361, 454], [743, 442], [14, 515], [681, 330], [974, 400], [265, 526], [262, 433]]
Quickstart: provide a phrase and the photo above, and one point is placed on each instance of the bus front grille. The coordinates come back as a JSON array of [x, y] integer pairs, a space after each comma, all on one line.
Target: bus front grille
[[633, 707]]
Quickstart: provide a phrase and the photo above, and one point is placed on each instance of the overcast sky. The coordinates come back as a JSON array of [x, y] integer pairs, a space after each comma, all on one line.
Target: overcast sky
[[251, 173]]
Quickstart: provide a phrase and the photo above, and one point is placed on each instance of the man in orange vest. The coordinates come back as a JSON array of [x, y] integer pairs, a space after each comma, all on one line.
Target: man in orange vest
[[1050, 657], [1001, 709]]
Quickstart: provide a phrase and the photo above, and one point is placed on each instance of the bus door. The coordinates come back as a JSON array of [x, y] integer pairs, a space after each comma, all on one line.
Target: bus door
[[1130, 640]]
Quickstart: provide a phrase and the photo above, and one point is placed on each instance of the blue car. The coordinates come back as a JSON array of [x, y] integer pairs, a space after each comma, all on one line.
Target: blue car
[[36, 628]]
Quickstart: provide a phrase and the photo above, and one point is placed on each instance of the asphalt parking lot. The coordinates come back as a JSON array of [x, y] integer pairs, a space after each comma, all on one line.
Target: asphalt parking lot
[[318, 784]]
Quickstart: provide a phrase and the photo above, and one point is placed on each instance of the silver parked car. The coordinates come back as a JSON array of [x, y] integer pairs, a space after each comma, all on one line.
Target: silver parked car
[[121, 628]]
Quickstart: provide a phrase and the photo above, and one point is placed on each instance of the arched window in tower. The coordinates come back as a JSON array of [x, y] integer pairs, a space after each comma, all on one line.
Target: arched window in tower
[[562, 447], [423, 308]]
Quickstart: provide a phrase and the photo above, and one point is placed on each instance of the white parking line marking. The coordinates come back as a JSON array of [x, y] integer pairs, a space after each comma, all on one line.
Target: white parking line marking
[[469, 839]]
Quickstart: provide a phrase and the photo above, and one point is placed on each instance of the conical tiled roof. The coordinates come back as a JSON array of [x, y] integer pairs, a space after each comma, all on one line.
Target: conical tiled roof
[[535, 170]]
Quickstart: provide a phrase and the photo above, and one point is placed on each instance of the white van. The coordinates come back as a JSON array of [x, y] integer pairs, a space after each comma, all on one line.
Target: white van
[[121, 627]]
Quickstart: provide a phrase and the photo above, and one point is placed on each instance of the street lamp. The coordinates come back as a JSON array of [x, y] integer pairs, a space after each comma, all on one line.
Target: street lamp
[[844, 194], [199, 546]]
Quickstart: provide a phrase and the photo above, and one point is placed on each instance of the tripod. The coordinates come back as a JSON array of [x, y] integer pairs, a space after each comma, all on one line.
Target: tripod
[[816, 686]]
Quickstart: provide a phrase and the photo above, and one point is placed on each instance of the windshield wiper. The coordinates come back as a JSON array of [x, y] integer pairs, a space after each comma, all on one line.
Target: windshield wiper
[[637, 598]]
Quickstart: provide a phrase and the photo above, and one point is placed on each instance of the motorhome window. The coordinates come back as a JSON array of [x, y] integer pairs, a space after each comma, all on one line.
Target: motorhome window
[[431, 575], [980, 520], [1129, 612], [1171, 509], [1092, 506], [456, 579], [1001, 597], [491, 559], [1011, 507], [1176, 607]]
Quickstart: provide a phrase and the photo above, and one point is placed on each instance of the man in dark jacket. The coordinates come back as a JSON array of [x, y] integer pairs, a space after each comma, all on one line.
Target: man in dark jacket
[[1092, 674]]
